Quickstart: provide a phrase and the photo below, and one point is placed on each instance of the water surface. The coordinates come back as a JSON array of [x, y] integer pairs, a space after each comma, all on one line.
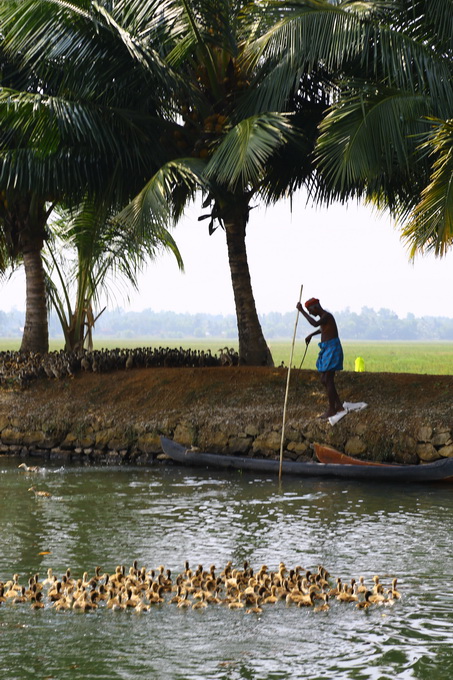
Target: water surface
[[167, 515]]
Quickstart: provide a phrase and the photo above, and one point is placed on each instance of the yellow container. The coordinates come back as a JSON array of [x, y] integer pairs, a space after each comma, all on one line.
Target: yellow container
[[359, 364]]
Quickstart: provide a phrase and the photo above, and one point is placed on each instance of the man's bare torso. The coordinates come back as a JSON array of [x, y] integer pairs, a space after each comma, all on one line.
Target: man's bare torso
[[328, 326]]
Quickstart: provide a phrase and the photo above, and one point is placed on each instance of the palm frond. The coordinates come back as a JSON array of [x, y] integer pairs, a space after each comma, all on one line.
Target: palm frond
[[57, 39], [241, 157], [341, 39], [430, 227], [153, 208], [369, 134]]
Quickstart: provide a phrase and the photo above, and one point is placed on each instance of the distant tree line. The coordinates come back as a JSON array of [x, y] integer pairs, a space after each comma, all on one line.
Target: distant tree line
[[369, 324]]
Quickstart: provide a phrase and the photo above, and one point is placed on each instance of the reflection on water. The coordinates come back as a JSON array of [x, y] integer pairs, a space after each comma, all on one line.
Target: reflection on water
[[166, 515]]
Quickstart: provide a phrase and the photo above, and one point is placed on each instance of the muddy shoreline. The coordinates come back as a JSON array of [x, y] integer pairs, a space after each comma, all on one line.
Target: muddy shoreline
[[119, 416]]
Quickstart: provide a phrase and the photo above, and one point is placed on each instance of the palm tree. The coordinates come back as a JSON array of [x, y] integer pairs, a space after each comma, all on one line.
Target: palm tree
[[23, 218], [235, 151], [23, 212], [200, 127], [61, 142], [388, 136], [85, 255]]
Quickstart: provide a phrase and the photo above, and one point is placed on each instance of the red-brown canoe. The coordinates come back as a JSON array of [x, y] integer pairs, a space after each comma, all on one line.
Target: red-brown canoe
[[327, 454]]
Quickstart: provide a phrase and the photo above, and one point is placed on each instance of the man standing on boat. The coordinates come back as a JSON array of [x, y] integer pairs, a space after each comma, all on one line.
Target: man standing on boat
[[330, 358]]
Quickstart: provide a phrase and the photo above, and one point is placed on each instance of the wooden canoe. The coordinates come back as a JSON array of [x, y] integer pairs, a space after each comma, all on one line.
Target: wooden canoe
[[327, 454], [440, 470]]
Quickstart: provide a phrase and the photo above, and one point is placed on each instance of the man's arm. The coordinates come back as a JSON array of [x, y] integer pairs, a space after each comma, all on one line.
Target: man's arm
[[309, 337], [310, 319]]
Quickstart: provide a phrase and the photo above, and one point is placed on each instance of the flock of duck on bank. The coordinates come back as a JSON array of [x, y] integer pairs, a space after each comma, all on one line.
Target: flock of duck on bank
[[139, 589], [23, 367]]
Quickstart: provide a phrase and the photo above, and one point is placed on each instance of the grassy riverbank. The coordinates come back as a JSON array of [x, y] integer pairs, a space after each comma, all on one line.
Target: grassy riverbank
[[432, 358]]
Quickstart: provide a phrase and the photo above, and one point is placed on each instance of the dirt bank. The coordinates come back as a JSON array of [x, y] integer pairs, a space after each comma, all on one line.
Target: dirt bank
[[236, 400]]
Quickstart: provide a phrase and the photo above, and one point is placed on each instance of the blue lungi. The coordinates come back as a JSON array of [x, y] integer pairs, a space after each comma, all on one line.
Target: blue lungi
[[330, 357]]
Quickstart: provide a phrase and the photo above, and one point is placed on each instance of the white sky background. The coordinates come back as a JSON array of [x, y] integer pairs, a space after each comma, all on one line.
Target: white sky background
[[346, 256]]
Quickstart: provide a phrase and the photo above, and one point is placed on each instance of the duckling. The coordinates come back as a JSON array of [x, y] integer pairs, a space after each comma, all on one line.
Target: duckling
[[237, 603], [376, 584], [21, 597], [40, 494], [93, 597], [103, 594], [273, 597], [214, 598], [12, 588], [344, 594], [349, 593], [296, 594], [323, 607], [141, 607], [231, 581], [364, 604], [389, 601], [81, 604], [86, 581], [361, 588], [130, 600], [184, 601], [254, 610], [323, 572], [199, 594], [55, 593], [69, 581], [97, 574], [378, 597], [155, 595], [307, 600], [333, 592], [38, 603], [63, 604], [200, 604], [280, 576], [50, 579], [32, 589], [395, 594], [30, 468], [113, 599], [178, 595], [118, 577], [251, 586], [166, 581]]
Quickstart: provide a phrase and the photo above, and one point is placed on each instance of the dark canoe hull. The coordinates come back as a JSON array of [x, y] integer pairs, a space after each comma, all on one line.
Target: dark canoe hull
[[440, 470]]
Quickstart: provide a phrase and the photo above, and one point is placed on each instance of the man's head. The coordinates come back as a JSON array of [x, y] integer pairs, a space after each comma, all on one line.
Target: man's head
[[312, 305]]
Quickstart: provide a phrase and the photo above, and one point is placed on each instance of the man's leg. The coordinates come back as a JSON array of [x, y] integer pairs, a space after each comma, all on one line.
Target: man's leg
[[335, 404]]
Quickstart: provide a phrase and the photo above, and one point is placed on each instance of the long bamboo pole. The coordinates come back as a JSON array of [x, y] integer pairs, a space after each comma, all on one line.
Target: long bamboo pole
[[287, 388]]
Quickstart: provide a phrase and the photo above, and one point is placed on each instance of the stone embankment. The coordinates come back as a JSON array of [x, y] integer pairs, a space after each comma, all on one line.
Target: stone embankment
[[118, 418]]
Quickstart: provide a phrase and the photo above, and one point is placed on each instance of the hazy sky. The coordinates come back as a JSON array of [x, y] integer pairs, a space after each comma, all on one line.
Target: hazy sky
[[346, 256]]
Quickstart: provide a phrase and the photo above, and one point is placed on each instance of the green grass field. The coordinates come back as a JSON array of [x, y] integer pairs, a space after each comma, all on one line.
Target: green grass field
[[435, 358]]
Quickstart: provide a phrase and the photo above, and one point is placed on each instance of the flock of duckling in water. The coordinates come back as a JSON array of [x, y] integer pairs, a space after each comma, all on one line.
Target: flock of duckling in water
[[24, 367], [140, 590]]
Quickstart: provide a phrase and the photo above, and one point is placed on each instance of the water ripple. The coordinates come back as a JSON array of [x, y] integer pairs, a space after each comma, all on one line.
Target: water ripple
[[165, 516]]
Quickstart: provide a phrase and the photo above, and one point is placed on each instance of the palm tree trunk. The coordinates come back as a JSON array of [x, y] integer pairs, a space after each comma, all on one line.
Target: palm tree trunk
[[253, 350], [36, 331]]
